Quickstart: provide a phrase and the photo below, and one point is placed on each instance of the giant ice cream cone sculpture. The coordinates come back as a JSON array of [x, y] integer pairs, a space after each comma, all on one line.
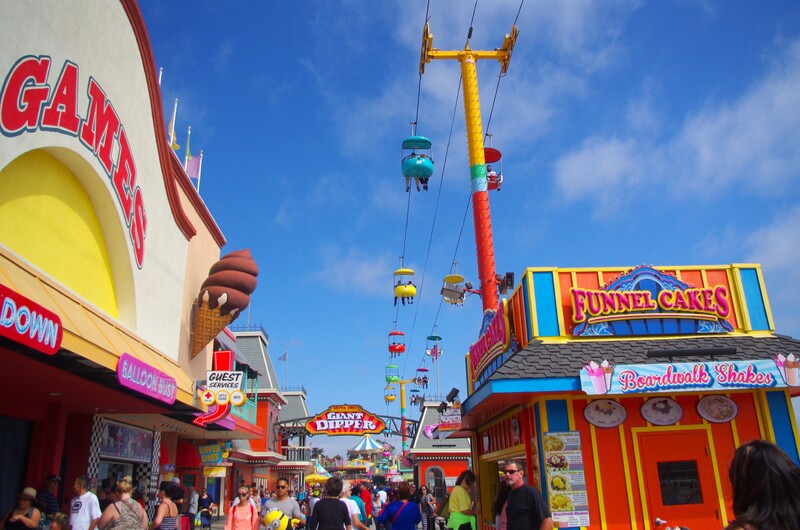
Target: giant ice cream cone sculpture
[[223, 296]]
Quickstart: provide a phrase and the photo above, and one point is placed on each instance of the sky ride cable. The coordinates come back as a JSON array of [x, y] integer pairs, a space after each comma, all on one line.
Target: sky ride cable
[[433, 221], [502, 75], [471, 21]]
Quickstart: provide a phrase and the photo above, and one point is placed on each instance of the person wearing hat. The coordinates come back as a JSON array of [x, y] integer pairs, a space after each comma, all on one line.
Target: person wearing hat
[[25, 516], [48, 497]]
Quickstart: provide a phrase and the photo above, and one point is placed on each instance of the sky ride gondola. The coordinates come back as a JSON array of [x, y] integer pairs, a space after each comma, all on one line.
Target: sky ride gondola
[[404, 287], [453, 292], [392, 373], [389, 394], [433, 346], [494, 178], [417, 161], [421, 378], [397, 343]]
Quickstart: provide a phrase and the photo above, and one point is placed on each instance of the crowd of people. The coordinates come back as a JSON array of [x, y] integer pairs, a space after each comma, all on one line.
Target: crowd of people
[[765, 484]]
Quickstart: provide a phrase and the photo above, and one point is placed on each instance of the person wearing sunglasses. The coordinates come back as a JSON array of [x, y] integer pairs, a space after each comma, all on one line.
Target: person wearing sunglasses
[[284, 502], [525, 506], [242, 515]]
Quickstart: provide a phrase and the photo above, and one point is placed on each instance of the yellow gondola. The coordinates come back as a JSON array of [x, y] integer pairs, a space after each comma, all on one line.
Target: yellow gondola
[[404, 288], [389, 394]]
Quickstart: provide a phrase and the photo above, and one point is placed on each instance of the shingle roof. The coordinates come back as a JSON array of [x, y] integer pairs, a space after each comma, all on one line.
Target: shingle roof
[[430, 416], [540, 360], [295, 407], [254, 347]]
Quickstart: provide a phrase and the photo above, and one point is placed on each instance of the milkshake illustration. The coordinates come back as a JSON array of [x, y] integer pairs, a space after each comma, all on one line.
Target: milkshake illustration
[[780, 363], [791, 365], [597, 377], [608, 370]]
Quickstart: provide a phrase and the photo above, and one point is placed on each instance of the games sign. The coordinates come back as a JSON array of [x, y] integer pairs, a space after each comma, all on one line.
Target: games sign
[[645, 301], [345, 420]]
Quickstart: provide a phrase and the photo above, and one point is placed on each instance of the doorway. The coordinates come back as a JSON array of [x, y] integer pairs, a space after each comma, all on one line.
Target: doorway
[[678, 479]]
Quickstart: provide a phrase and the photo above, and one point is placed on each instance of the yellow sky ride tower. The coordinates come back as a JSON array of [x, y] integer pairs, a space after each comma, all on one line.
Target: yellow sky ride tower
[[472, 110]]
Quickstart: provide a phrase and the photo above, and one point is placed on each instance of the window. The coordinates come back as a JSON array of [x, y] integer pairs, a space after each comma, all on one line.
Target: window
[[680, 483], [434, 480]]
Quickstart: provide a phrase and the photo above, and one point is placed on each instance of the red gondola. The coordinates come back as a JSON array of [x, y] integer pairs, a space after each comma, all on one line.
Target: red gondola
[[494, 179], [397, 343]]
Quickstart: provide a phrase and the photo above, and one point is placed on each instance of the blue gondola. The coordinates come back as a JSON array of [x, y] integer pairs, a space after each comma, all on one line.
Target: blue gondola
[[417, 162]]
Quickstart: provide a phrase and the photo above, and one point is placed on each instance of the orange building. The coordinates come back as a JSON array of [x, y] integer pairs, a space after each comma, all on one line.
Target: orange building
[[626, 392]]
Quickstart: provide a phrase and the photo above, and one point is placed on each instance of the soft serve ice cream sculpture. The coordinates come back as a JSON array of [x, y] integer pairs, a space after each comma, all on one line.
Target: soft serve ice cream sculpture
[[223, 296]]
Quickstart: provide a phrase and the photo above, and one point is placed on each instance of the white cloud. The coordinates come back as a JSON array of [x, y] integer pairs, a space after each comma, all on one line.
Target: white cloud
[[751, 142], [349, 270], [585, 31], [601, 169], [777, 248]]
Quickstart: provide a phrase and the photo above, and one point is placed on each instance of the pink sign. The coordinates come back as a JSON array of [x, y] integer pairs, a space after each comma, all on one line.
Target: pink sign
[[492, 343], [23, 320], [143, 378]]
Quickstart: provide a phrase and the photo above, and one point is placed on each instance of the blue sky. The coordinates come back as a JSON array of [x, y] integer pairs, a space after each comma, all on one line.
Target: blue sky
[[663, 133]]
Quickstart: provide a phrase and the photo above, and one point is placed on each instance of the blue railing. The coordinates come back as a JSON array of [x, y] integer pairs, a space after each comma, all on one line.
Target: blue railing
[[247, 412]]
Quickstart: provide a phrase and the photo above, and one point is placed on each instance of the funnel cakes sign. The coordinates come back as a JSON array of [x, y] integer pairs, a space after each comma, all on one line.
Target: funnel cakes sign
[[645, 301], [345, 420]]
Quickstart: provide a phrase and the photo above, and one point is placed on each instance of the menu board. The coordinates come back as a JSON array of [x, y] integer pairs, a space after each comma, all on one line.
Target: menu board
[[566, 481]]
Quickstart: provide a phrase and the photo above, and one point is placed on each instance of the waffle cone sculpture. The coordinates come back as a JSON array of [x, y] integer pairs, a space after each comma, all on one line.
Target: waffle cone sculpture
[[223, 296]]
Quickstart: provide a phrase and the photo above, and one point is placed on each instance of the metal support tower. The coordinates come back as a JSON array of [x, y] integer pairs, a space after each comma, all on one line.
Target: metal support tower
[[481, 213]]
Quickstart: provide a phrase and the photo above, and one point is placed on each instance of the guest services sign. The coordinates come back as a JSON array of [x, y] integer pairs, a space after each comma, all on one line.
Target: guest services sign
[[341, 420]]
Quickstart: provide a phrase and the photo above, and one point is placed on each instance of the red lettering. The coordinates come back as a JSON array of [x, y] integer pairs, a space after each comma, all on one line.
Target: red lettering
[[680, 300], [578, 302], [708, 304], [138, 227], [693, 300], [61, 113], [125, 176], [100, 127], [625, 302], [24, 92], [637, 300], [721, 296], [665, 299]]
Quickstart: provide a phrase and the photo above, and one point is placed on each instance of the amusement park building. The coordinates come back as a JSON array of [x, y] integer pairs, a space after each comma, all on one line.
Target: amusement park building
[[104, 246], [437, 462], [626, 391], [254, 459]]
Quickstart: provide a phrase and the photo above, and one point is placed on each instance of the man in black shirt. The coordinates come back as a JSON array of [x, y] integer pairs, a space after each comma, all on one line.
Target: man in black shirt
[[525, 508]]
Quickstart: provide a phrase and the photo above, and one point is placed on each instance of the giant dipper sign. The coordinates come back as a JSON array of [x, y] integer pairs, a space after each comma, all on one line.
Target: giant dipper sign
[[345, 420]]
